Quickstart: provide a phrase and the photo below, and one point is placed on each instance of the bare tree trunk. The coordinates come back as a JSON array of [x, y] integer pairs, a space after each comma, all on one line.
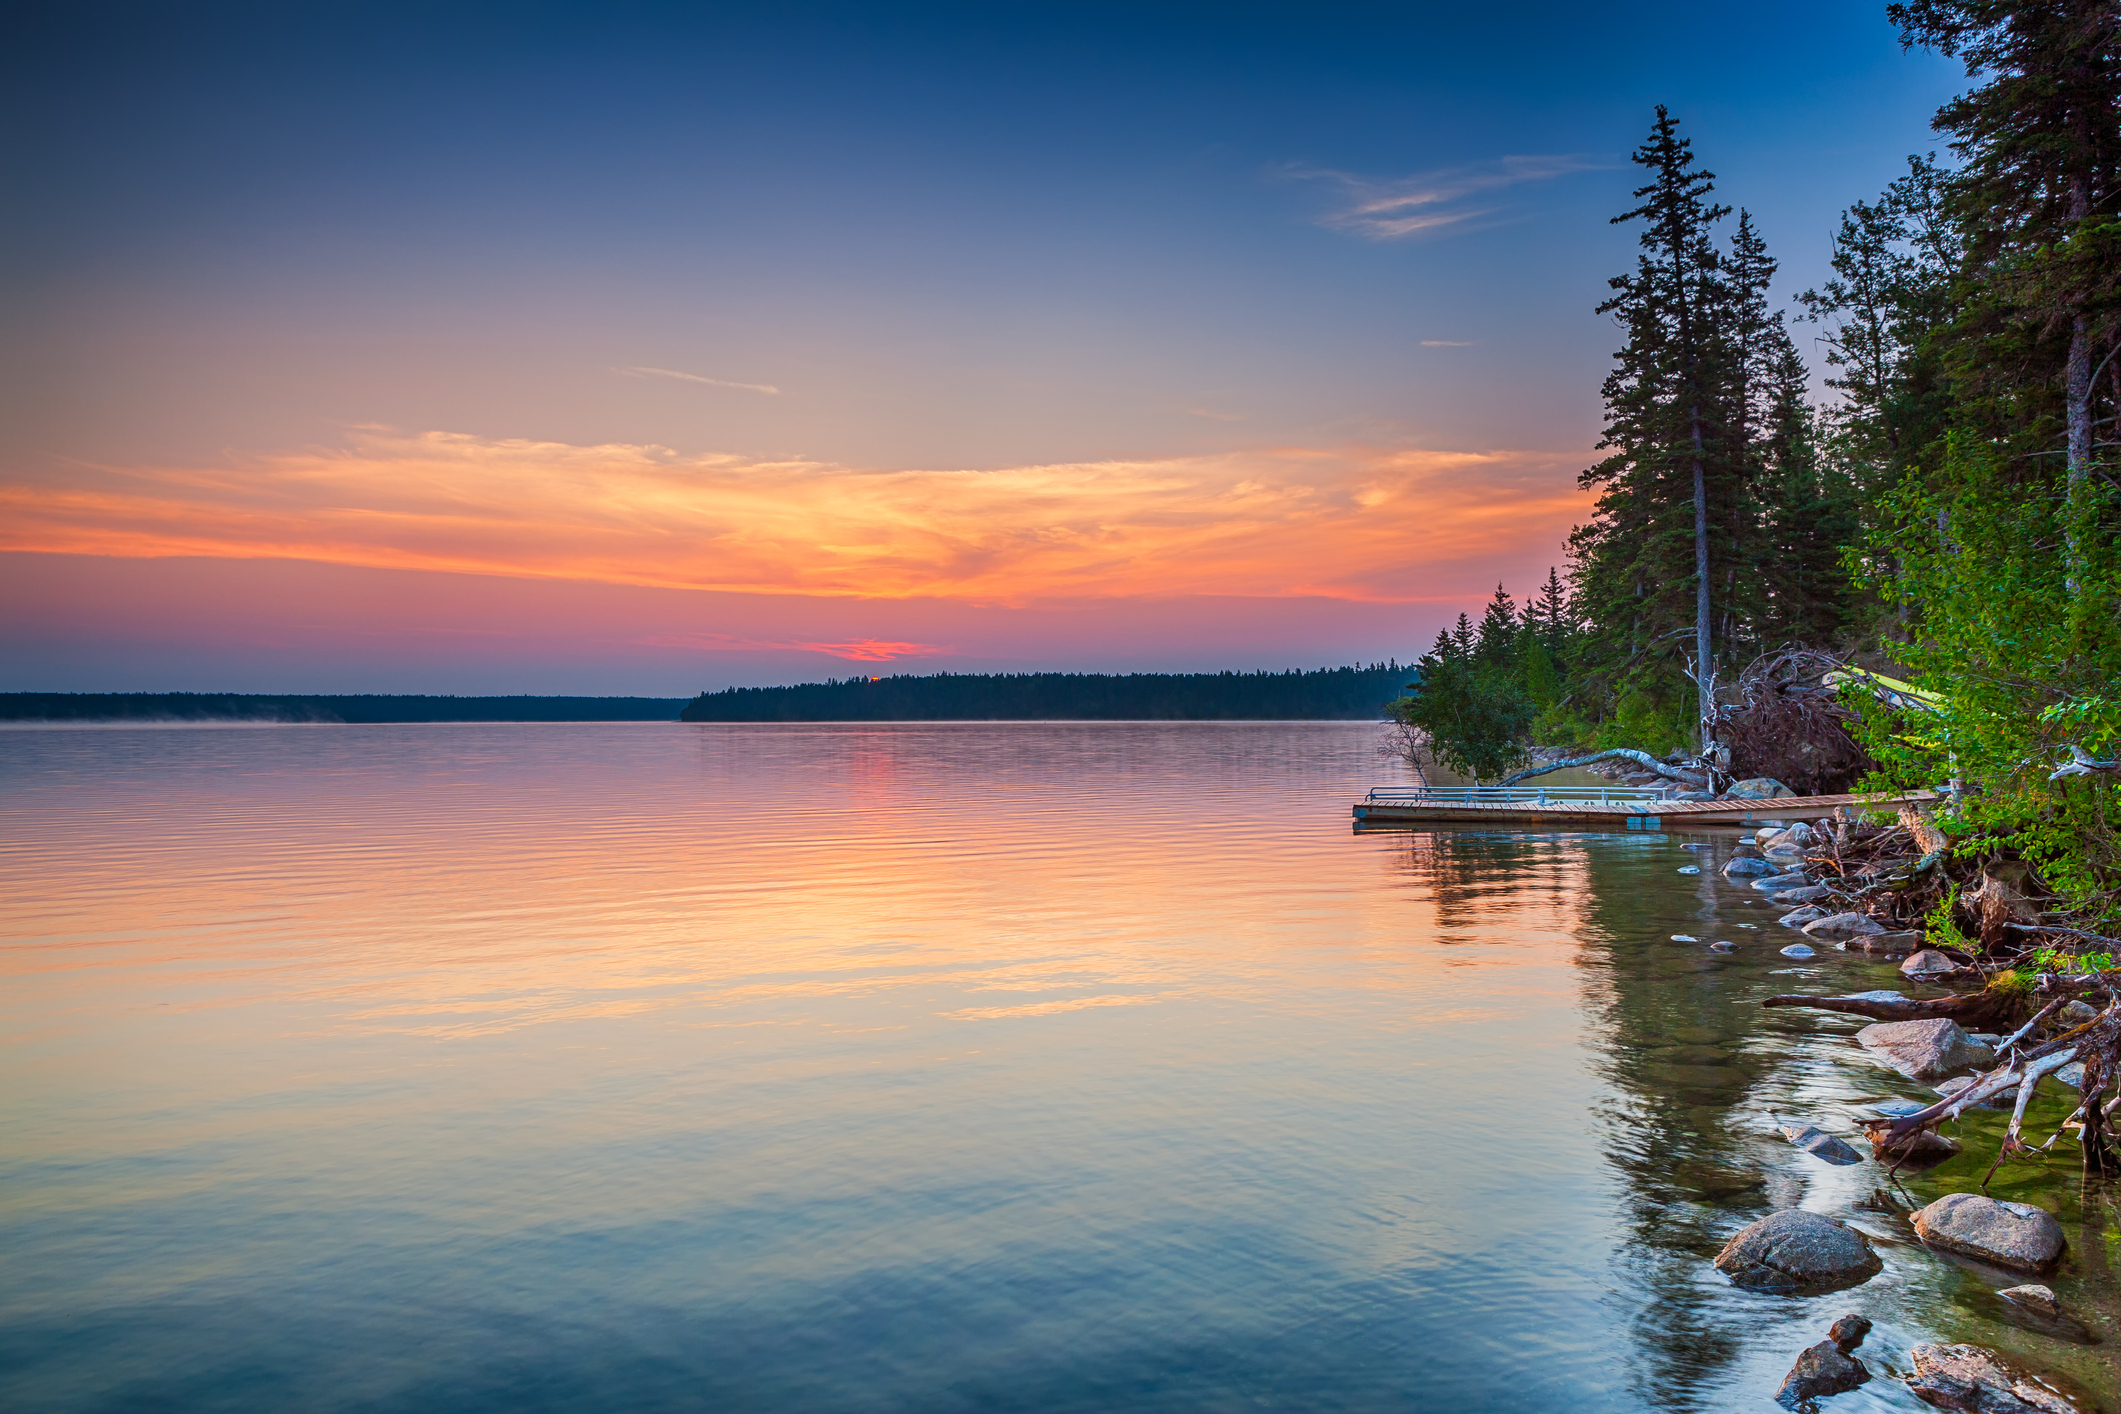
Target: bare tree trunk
[[1704, 675], [2078, 396]]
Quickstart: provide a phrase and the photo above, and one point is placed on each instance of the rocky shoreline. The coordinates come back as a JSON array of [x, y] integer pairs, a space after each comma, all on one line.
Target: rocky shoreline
[[2000, 1029]]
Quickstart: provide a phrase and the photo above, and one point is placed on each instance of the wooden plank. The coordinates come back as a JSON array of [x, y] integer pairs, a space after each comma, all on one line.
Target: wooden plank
[[1652, 814]]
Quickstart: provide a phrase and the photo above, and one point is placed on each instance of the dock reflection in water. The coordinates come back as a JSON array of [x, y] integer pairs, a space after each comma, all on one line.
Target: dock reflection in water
[[924, 1067]]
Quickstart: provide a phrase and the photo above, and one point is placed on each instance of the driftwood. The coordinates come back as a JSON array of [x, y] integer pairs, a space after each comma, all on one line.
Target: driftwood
[[2096, 1043], [2083, 763], [1640, 758], [1975, 1011]]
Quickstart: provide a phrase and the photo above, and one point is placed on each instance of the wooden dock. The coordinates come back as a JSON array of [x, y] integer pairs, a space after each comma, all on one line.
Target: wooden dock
[[1619, 808]]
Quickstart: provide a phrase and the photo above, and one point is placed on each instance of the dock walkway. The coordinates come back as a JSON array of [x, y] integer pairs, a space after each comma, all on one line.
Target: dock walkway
[[1599, 808]]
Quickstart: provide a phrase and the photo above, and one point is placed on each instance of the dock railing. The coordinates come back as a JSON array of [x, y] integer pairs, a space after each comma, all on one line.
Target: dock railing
[[1516, 795]]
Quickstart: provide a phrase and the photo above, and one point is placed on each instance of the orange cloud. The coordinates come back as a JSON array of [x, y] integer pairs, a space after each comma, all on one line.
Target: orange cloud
[[1354, 523]]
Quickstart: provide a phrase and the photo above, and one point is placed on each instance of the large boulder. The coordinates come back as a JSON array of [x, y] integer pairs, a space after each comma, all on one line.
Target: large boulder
[[1797, 918], [1843, 925], [1830, 1367], [1976, 1381], [2014, 1235], [1750, 865], [1758, 788], [1798, 1253], [1924, 1050]]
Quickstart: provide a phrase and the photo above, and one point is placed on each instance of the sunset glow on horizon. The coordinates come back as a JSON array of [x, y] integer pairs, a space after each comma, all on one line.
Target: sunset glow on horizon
[[704, 347]]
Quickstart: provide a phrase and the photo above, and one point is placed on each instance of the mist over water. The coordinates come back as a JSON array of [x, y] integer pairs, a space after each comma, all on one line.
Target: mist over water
[[894, 1067]]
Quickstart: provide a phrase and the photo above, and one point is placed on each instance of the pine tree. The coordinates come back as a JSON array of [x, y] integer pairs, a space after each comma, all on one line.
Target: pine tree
[[1498, 631], [1648, 556]]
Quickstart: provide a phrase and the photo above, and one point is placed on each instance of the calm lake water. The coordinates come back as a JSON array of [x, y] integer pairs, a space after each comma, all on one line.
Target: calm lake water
[[1079, 1067]]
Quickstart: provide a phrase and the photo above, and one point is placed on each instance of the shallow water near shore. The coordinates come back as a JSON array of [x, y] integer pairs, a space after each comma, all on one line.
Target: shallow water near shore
[[917, 1067]]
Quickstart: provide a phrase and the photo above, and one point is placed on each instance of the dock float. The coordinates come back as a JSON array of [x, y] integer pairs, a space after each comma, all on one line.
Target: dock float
[[1605, 808]]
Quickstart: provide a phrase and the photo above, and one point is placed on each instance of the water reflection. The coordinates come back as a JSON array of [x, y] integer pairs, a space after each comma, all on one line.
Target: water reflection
[[847, 1068]]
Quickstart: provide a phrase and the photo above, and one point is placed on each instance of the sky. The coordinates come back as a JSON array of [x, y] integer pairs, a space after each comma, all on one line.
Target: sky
[[656, 348]]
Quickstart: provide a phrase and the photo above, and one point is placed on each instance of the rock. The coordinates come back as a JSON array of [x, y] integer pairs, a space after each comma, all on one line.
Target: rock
[[1758, 788], [1802, 916], [2077, 1014], [1927, 964], [1821, 1145], [1720, 946], [1798, 950], [1994, 1102], [1690, 869], [1881, 995], [1768, 836], [1923, 1050], [1976, 1381], [1798, 1253], [2036, 1309], [1777, 883], [1745, 865], [1801, 835], [2014, 1235], [1779, 850], [2038, 1298], [1684, 938], [1843, 925], [1826, 1368], [1899, 944], [1810, 893], [2071, 1075]]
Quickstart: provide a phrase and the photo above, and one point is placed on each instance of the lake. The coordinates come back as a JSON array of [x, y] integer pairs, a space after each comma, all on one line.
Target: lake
[[913, 1067]]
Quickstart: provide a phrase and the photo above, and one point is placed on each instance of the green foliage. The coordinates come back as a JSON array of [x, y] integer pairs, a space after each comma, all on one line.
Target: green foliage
[[2063, 960], [1471, 703], [1940, 926], [2021, 651]]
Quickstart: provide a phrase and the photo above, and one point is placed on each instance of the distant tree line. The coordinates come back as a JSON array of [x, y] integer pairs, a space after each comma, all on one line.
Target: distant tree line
[[1326, 694], [351, 708]]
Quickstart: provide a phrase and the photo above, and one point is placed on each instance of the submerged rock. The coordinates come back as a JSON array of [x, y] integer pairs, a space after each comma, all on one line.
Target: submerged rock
[[1798, 1253], [1895, 944], [1843, 925], [1821, 1145], [1798, 950], [1976, 1381], [1810, 893], [2015, 1235], [1746, 866], [1721, 946], [1828, 1368], [1799, 917], [1690, 869], [1783, 883], [1923, 1050], [1922, 1148]]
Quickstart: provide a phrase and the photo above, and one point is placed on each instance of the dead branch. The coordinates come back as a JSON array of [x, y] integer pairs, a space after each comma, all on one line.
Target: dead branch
[[1640, 758]]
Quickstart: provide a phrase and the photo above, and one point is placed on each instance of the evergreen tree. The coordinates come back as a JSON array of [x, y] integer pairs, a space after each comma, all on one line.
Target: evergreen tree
[[2039, 202], [1647, 558], [1497, 644]]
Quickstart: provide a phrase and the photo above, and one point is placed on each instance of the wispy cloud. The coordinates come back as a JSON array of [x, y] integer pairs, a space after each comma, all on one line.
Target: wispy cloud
[[860, 650], [1447, 343], [1213, 416], [697, 378], [1357, 522], [1393, 208]]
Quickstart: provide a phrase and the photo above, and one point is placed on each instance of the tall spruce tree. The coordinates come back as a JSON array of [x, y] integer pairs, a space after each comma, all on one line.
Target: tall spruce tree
[[2039, 199], [1664, 428]]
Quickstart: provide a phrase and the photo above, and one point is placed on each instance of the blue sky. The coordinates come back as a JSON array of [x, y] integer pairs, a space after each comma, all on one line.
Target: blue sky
[[884, 239]]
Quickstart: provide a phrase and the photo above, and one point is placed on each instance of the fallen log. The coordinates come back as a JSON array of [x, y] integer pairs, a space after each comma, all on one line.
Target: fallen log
[[1976, 1011], [1629, 753]]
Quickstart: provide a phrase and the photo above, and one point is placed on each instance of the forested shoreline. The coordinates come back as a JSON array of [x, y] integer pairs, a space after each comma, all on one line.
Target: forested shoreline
[[1917, 578], [1356, 693], [349, 708]]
